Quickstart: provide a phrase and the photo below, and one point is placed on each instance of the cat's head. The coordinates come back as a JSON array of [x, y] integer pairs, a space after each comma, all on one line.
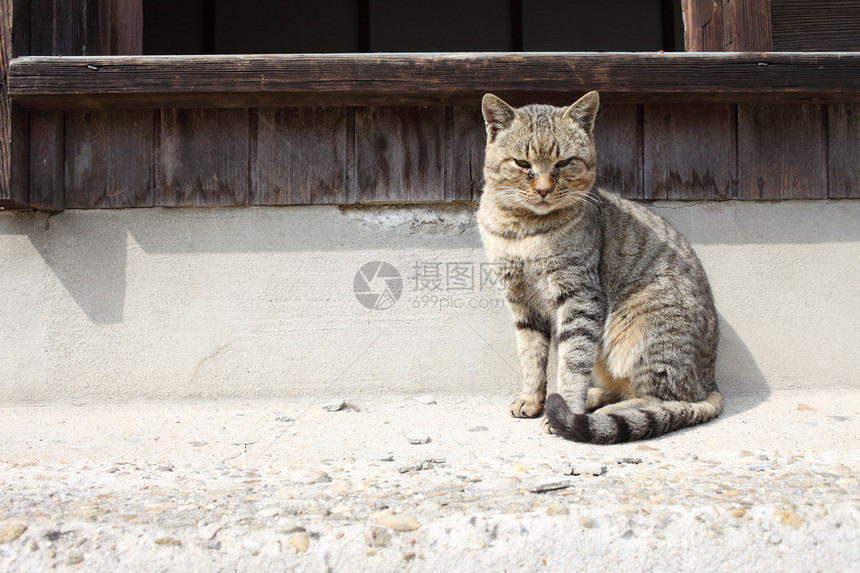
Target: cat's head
[[539, 158]]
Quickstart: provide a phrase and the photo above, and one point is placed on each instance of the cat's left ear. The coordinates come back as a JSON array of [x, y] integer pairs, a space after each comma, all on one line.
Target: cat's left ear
[[498, 115], [584, 111]]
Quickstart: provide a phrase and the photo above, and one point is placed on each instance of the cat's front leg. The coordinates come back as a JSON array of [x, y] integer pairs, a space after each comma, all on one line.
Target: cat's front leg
[[533, 339], [580, 326]]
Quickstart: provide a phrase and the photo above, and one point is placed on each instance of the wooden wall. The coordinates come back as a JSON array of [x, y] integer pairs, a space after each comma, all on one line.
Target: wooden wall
[[315, 155]]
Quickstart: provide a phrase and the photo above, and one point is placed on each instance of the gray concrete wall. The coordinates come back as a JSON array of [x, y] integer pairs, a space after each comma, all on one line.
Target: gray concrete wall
[[240, 303]]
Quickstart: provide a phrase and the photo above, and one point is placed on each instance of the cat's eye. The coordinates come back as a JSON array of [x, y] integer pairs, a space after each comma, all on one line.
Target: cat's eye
[[523, 164], [564, 163]]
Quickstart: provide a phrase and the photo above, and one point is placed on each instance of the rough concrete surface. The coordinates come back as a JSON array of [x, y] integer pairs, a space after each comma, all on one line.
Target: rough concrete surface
[[771, 485]]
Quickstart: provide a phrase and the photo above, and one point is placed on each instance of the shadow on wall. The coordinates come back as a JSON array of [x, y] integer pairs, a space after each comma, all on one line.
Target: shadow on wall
[[738, 376]]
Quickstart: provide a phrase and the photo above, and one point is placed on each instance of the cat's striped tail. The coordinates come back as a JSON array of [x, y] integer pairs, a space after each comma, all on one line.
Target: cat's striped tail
[[626, 425]]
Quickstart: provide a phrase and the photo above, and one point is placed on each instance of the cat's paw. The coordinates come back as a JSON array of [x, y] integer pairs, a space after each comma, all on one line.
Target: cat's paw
[[546, 427], [523, 407]]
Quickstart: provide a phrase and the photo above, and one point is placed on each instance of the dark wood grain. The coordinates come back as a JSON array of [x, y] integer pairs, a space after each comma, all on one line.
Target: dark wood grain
[[815, 26], [747, 25], [46, 161], [618, 138], [781, 152], [299, 156], [411, 79], [400, 154], [126, 18], [843, 151], [689, 151], [469, 139], [10, 195], [203, 158], [108, 159], [703, 25]]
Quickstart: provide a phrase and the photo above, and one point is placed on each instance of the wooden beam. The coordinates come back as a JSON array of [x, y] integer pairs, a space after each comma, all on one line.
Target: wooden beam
[[13, 126], [419, 79], [703, 25]]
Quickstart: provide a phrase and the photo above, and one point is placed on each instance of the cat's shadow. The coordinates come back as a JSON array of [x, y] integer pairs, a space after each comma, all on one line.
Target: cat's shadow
[[739, 379]]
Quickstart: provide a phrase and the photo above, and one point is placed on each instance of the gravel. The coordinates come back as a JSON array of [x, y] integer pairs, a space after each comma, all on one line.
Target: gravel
[[87, 487]]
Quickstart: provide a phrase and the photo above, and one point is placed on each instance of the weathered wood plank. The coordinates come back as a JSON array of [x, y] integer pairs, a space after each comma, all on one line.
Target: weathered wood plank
[[781, 152], [203, 158], [299, 156], [747, 25], [46, 160], [815, 26], [126, 36], [703, 25], [11, 195], [400, 154], [108, 159], [690, 151], [843, 149], [467, 166], [413, 79], [618, 138]]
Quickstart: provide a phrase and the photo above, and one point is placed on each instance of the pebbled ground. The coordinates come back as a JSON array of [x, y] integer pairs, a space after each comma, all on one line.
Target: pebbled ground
[[423, 483]]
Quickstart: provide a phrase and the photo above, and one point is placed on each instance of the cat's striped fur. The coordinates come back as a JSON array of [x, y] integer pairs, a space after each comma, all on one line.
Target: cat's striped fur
[[616, 287]]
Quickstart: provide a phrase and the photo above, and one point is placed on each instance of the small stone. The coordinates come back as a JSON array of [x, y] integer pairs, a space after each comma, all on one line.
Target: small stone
[[414, 467], [774, 539], [168, 542], [644, 448], [557, 509], [478, 429], [271, 511], [787, 516], [334, 406], [629, 460], [12, 532], [74, 559], [376, 536], [377, 456], [399, 522], [319, 477], [416, 437], [284, 419], [164, 468], [425, 399], [474, 544], [805, 408], [761, 468], [251, 545], [198, 444], [214, 544], [588, 468], [739, 512], [550, 485], [587, 522], [301, 542], [208, 531], [33, 546]]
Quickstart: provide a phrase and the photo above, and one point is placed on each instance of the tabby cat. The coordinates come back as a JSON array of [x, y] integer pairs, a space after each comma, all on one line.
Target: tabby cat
[[616, 287]]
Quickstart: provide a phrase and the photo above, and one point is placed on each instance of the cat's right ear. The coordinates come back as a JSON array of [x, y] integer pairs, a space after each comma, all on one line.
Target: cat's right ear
[[498, 115]]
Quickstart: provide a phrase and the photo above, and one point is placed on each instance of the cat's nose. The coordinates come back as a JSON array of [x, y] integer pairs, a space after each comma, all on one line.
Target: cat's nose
[[543, 186]]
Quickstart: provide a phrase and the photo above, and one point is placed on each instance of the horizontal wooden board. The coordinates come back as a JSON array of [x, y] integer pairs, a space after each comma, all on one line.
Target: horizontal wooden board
[[414, 79], [816, 25]]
